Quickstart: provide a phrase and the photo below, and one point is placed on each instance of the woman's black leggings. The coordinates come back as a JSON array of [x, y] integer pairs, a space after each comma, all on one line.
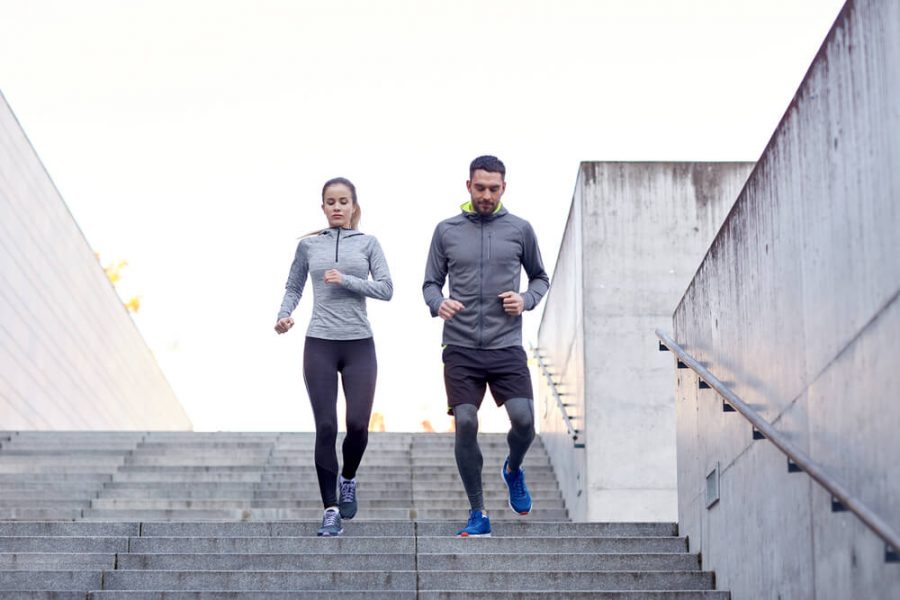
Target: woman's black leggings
[[355, 361]]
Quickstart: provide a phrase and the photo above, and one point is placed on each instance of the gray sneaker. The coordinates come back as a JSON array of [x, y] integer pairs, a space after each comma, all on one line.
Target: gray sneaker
[[348, 497], [331, 523]]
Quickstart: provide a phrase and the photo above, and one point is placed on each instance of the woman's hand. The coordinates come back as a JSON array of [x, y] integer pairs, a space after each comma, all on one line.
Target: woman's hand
[[333, 276], [283, 325]]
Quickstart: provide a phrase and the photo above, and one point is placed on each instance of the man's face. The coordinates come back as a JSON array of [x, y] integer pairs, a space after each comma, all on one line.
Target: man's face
[[485, 189]]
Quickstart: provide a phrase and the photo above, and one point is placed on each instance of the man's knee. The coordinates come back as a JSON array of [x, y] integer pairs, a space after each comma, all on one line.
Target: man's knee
[[521, 415], [466, 416]]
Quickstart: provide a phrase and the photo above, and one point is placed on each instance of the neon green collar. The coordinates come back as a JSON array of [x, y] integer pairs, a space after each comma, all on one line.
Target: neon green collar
[[467, 207]]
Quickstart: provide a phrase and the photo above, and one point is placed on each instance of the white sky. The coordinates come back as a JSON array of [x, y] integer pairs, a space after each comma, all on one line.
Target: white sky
[[192, 138]]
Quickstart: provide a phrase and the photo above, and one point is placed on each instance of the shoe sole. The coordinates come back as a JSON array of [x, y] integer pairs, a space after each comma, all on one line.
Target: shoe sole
[[519, 512], [509, 502], [468, 535], [320, 534]]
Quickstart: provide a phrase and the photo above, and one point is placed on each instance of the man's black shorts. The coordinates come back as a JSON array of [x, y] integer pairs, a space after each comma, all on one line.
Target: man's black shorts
[[468, 370]]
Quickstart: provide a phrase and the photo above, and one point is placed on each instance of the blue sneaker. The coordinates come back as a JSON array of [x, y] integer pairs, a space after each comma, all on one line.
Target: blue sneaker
[[519, 498], [478, 526]]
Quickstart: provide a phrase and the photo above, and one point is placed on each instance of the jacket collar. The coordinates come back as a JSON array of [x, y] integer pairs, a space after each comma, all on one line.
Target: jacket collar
[[470, 211], [345, 232]]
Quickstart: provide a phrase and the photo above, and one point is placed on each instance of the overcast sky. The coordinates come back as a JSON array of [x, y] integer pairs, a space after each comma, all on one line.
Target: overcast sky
[[191, 139]]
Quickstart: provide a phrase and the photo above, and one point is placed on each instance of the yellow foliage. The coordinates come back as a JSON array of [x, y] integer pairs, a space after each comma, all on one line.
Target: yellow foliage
[[376, 423], [114, 270], [134, 304]]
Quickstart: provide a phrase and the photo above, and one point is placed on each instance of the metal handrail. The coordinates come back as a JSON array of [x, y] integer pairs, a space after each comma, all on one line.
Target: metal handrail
[[798, 456], [573, 433]]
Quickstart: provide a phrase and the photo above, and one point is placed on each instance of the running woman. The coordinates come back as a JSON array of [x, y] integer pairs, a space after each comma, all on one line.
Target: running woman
[[339, 260], [483, 250]]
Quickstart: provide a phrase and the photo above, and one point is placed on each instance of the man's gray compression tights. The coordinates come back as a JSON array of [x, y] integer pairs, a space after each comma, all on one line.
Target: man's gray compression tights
[[469, 460]]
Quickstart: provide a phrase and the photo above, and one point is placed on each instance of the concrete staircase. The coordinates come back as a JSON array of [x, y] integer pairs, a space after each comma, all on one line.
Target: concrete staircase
[[233, 515]]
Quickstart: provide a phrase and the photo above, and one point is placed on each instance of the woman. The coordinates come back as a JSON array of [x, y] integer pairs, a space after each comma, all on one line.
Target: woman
[[338, 339]]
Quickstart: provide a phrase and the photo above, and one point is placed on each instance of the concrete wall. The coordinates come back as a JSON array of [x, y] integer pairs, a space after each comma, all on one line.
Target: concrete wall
[[796, 308], [635, 235], [70, 355], [561, 344]]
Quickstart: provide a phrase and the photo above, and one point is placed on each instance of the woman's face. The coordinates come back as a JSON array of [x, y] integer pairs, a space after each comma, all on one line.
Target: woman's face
[[337, 205]]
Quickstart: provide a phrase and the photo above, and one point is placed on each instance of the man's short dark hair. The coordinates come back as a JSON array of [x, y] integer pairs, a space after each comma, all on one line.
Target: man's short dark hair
[[488, 163]]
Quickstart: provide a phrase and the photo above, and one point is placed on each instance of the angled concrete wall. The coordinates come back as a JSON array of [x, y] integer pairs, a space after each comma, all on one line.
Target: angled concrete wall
[[635, 235], [70, 355], [796, 308]]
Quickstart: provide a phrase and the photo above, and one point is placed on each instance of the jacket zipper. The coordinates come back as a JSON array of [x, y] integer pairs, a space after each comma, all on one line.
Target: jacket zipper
[[481, 291], [337, 244]]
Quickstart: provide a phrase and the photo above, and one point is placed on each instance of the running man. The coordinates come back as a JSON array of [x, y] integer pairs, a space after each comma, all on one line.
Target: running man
[[483, 250]]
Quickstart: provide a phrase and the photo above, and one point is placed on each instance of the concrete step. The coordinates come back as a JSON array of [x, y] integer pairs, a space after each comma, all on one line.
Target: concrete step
[[527, 527], [258, 580], [270, 595], [575, 595], [492, 504], [180, 478], [50, 561], [245, 514], [72, 436], [48, 493], [365, 493], [270, 529], [68, 528], [40, 502], [40, 514], [257, 462], [449, 544], [258, 561], [563, 581], [81, 477], [472, 560], [39, 452], [53, 544], [237, 487], [306, 543], [301, 514], [32, 595], [25, 581], [55, 467], [365, 481], [523, 527], [153, 445]]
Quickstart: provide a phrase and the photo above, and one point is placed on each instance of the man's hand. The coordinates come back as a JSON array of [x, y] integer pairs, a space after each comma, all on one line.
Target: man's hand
[[283, 325], [333, 276], [449, 308], [513, 303]]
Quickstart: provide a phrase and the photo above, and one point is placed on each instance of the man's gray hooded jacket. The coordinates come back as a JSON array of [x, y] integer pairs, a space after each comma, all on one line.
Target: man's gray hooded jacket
[[483, 255]]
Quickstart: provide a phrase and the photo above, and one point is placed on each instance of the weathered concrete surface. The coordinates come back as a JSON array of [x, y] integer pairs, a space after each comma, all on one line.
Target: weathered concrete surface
[[70, 355], [635, 235], [796, 307]]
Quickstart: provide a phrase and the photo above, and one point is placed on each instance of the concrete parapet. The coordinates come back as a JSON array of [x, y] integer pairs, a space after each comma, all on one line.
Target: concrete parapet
[[634, 237], [70, 355], [796, 308]]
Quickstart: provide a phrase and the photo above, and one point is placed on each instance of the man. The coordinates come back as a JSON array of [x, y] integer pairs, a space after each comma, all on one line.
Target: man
[[483, 251]]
